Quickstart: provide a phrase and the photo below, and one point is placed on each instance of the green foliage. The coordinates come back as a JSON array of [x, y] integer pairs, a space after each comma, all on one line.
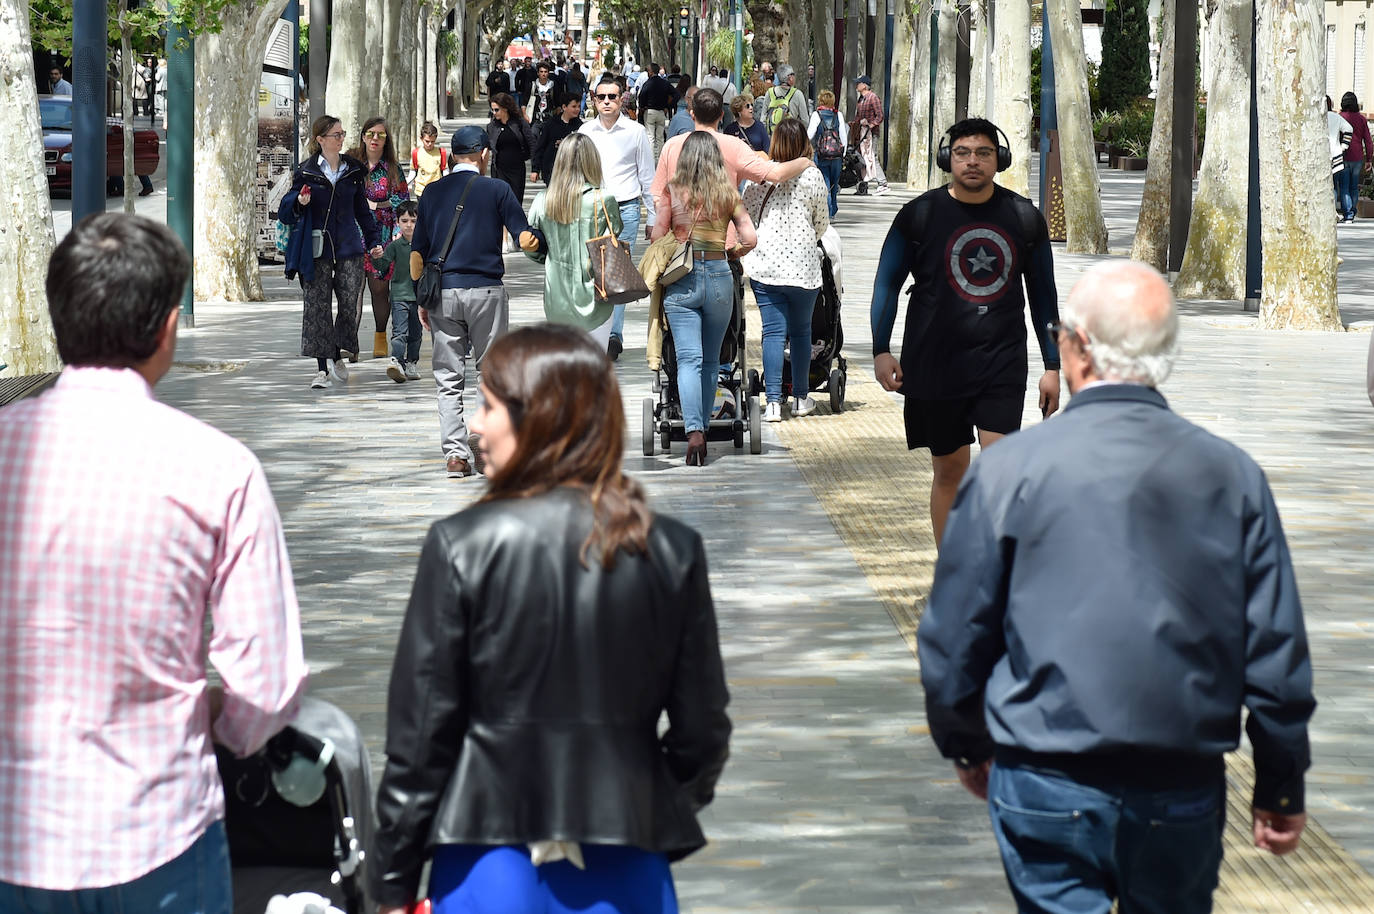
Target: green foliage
[[720, 49], [50, 22], [1136, 126], [1125, 75], [1037, 55]]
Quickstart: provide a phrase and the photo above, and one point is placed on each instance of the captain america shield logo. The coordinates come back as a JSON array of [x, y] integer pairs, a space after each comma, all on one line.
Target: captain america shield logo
[[980, 262]]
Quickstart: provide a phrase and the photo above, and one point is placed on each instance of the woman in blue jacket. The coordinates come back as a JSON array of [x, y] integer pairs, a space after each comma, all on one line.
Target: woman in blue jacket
[[330, 186]]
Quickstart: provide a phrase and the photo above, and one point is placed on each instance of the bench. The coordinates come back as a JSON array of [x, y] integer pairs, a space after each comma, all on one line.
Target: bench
[[29, 385]]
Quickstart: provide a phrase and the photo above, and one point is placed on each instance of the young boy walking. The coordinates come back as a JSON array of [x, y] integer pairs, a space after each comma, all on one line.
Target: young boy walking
[[406, 332]]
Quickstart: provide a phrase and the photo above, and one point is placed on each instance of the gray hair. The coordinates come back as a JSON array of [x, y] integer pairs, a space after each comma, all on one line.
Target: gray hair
[[1128, 314], [785, 73]]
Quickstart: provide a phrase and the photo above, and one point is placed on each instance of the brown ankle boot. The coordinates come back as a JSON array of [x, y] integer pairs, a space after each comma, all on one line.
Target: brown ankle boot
[[696, 449], [379, 348]]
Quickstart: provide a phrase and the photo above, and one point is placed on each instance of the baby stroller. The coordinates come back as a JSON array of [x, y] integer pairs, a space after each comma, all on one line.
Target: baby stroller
[[829, 370], [299, 811], [851, 166], [662, 416]]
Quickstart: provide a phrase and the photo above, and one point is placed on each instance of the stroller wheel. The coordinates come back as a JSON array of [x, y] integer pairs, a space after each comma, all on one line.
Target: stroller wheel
[[738, 429], [836, 388], [665, 437], [755, 426], [647, 429], [755, 383]]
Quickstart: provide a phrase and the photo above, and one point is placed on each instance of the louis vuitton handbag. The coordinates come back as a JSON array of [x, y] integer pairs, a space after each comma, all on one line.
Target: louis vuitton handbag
[[615, 278]]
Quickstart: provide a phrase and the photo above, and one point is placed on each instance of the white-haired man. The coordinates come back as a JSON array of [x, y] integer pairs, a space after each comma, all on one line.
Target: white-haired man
[[1114, 586]]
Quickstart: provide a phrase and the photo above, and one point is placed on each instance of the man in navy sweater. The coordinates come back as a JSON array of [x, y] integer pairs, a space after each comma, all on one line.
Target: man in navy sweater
[[474, 309]]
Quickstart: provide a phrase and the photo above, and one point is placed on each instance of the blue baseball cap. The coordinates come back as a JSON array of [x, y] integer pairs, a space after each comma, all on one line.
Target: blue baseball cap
[[470, 139], [865, 79]]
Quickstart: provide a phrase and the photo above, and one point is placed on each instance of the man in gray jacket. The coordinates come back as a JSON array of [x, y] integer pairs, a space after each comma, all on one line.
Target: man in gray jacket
[[1114, 586]]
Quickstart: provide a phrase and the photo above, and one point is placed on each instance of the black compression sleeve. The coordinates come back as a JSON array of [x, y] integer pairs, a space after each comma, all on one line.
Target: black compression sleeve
[[1044, 301], [892, 270]]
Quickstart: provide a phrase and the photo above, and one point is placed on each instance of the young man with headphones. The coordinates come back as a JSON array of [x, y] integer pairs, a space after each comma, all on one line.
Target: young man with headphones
[[969, 246]]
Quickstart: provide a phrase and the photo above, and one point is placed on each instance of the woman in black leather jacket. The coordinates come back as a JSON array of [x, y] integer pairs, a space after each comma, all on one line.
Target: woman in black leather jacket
[[548, 628]]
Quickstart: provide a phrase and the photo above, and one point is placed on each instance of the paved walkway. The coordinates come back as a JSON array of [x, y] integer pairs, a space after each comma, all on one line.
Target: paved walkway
[[835, 799]]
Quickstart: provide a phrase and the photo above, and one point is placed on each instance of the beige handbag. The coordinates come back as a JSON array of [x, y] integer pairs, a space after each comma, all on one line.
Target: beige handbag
[[680, 264]]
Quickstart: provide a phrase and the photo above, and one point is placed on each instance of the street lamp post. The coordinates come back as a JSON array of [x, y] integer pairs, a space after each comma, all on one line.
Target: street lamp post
[[89, 42]]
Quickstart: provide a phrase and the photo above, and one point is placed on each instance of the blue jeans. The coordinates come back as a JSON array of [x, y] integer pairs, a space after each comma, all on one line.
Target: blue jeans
[[1350, 187], [786, 313], [1068, 848], [830, 168], [197, 882], [406, 331], [698, 308], [629, 218], [471, 879]]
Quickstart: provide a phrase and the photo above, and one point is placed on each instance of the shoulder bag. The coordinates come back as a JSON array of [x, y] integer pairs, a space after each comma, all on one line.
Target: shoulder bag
[[615, 279], [680, 264], [429, 288]]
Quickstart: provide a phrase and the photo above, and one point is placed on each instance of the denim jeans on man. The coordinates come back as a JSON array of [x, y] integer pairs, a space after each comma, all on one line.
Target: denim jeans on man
[[196, 882], [698, 309], [406, 331], [1350, 187], [830, 169], [786, 313], [629, 221], [1070, 848]]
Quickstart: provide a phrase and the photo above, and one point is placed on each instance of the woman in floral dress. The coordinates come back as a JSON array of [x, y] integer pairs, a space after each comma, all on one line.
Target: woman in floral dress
[[385, 187]]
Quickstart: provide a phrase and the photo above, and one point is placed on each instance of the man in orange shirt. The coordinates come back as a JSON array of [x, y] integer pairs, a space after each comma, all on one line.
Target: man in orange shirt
[[741, 161]]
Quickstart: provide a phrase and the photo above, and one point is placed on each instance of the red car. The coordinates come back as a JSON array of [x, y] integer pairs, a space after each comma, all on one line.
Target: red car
[[56, 114]]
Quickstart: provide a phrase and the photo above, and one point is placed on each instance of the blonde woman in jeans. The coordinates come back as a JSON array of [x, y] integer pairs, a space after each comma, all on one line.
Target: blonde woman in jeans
[[701, 202], [785, 270]]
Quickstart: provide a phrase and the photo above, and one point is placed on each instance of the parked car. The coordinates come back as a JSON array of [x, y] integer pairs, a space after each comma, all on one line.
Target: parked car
[[55, 112]]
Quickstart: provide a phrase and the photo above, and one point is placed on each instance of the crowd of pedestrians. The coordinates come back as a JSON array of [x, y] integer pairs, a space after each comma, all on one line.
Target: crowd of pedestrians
[[563, 544]]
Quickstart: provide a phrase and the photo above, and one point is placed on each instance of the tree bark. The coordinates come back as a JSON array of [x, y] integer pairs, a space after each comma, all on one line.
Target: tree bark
[[370, 99], [343, 95], [1011, 96], [770, 30], [1299, 232], [407, 103], [228, 68], [26, 340], [943, 114], [1086, 231], [823, 47], [1151, 244], [1214, 261], [126, 109], [979, 54], [919, 159], [901, 122], [797, 36], [395, 73]]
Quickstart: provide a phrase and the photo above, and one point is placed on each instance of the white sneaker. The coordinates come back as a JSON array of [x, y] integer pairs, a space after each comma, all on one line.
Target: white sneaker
[[879, 190], [338, 371], [395, 371], [804, 406], [321, 381], [412, 371], [772, 412]]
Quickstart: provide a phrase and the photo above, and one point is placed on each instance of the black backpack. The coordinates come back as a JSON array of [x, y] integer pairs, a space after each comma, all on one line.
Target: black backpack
[[828, 145]]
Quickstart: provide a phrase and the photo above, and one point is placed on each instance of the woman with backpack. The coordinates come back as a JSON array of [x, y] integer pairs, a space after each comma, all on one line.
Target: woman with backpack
[[785, 268], [829, 136]]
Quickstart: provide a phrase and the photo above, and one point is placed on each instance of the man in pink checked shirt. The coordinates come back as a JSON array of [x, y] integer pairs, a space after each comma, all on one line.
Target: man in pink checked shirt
[[123, 523]]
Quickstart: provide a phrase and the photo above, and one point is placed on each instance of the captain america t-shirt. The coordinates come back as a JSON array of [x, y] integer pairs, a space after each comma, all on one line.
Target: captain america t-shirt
[[965, 330]]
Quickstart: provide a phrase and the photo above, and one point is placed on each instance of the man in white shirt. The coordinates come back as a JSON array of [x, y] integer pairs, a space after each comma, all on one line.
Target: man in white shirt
[[627, 170]]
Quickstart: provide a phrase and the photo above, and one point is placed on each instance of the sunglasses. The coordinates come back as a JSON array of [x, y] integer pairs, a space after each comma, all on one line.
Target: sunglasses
[[374, 135], [607, 98]]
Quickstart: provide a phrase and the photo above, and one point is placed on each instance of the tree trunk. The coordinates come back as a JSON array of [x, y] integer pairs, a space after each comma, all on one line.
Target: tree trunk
[[1011, 96], [918, 162], [586, 32], [770, 30], [1214, 261], [342, 90], [942, 116], [26, 341], [1087, 233], [879, 68], [396, 73], [797, 33], [228, 69], [979, 54], [901, 122], [1295, 172], [853, 62], [370, 99], [1151, 244], [658, 50], [823, 44], [407, 103], [126, 108]]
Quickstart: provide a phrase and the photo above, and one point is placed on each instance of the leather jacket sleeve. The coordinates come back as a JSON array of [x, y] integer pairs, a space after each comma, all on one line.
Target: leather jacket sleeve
[[427, 715], [697, 741]]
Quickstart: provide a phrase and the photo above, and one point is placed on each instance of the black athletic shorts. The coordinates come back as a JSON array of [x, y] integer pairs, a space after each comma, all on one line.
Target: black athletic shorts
[[944, 426]]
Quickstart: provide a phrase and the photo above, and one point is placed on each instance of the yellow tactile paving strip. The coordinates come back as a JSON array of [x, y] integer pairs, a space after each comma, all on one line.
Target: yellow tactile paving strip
[[876, 493]]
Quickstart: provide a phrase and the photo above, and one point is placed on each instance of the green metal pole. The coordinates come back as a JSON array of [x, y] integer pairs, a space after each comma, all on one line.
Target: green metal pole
[[739, 45], [181, 103]]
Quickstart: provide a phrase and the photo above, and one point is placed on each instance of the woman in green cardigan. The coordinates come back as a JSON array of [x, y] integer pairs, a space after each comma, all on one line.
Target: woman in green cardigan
[[569, 212]]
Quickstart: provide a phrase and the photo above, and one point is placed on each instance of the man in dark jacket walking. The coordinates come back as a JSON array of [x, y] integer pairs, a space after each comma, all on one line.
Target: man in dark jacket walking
[[474, 307], [498, 80], [553, 132], [1113, 588]]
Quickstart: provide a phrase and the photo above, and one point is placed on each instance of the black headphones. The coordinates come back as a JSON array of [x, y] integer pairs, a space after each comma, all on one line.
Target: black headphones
[[942, 155]]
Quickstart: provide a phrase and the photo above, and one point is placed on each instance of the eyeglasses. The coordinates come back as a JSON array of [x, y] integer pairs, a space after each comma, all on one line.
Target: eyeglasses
[[336, 135], [1057, 327], [374, 135], [984, 153], [602, 97]]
